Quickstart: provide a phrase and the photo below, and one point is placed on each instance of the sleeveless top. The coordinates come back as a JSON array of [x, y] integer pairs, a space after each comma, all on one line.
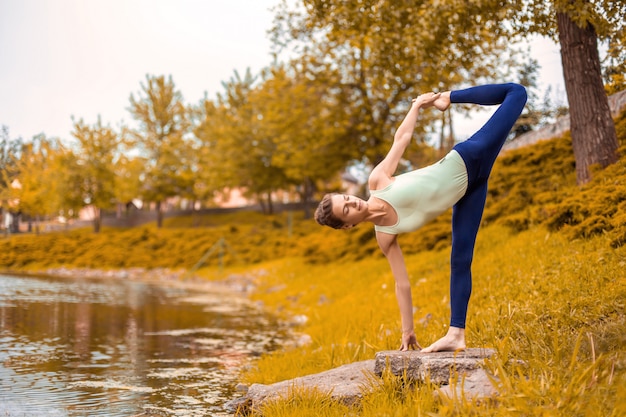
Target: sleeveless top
[[421, 195]]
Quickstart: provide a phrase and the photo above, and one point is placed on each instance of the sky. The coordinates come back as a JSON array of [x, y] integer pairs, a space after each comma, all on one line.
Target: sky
[[84, 58]]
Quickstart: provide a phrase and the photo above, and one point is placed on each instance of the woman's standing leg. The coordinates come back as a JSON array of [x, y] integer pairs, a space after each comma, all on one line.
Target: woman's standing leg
[[466, 217]]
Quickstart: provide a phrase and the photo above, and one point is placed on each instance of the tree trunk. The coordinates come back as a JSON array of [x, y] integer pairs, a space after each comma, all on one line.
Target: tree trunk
[[446, 139], [270, 205], [97, 219], [159, 215], [306, 196], [593, 131], [14, 225]]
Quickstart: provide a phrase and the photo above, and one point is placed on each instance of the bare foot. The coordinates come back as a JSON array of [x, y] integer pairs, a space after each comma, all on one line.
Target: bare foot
[[443, 102], [454, 340]]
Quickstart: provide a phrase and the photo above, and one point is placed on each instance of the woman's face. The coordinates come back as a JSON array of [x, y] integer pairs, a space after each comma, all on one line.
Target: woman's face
[[349, 209]]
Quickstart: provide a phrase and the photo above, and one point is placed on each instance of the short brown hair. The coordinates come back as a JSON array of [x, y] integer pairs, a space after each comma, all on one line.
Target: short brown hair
[[324, 213]]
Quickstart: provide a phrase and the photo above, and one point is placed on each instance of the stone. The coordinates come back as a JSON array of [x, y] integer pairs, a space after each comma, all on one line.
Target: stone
[[459, 374], [473, 386], [346, 384], [241, 388], [437, 367]]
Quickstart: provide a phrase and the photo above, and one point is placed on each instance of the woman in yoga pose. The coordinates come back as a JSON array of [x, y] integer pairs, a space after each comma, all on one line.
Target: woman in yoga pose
[[404, 203]]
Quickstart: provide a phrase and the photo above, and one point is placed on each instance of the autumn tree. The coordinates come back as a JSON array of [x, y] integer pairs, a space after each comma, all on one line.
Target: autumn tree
[[577, 25], [211, 126], [240, 151], [161, 136], [33, 191], [97, 153], [66, 181], [390, 51], [308, 135], [9, 150], [532, 114], [128, 170]]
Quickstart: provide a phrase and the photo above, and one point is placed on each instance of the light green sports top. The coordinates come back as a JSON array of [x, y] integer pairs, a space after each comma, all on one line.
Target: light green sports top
[[421, 195]]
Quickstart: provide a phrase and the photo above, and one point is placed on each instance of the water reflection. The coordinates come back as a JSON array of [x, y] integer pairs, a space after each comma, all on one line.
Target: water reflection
[[72, 347]]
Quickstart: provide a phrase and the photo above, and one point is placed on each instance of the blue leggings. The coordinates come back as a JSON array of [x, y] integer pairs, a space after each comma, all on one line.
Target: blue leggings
[[479, 153]]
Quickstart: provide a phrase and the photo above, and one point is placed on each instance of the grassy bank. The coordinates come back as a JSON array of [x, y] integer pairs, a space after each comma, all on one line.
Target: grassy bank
[[555, 304], [549, 291]]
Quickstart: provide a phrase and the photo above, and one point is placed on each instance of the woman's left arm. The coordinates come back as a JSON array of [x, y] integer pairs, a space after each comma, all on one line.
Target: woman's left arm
[[391, 248]]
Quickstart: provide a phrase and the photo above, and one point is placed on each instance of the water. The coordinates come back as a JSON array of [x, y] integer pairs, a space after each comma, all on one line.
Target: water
[[78, 347]]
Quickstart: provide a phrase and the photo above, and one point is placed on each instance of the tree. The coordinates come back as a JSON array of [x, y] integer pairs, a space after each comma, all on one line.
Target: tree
[[128, 172], [211, 126], [32, 191], [533, 115], [577, 24], [9, 151], [389, 51], [307, 135], [237, 147], [98, 150], [164, 122], [66, 182]]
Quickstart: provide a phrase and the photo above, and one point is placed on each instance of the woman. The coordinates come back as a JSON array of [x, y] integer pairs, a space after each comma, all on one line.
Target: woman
[[406, 202]]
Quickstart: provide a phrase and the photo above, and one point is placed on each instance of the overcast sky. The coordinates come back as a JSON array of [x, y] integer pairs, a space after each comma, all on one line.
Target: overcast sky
[[84, 58]]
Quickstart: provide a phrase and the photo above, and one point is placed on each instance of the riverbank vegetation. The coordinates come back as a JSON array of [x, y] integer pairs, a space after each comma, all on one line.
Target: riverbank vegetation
[[549, 287]]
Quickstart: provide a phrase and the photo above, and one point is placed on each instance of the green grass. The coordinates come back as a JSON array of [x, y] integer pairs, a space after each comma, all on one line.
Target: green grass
[[549, 289]]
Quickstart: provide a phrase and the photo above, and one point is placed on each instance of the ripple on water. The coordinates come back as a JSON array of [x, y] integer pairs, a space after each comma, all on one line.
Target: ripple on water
[[110, 385], [25, 407], [177, 373]]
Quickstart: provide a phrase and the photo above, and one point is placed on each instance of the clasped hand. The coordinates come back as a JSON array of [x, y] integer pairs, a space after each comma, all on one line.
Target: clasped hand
[[426, 100]]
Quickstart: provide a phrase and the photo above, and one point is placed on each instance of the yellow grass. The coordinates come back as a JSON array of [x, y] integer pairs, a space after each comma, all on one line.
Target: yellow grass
[[552, 308]]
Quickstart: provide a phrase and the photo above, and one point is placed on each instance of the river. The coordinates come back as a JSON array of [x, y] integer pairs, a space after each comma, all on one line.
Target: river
[[95, 347]]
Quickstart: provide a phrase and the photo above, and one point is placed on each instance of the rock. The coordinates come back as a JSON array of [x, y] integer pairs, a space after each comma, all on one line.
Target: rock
[[345, 384], [475, 386], [437, 366], [243, 388], [459, 373]]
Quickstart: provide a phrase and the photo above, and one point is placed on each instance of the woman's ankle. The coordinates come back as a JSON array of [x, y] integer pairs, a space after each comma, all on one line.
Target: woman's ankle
[[457, 333]]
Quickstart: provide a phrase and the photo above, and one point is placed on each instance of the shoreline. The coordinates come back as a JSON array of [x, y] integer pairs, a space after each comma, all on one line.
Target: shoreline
[[235, 285], [238, 286]]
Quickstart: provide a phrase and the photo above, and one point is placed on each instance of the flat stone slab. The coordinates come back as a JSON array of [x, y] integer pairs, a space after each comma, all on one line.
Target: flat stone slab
[[439, 367], [460, 374], [346, 384]]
